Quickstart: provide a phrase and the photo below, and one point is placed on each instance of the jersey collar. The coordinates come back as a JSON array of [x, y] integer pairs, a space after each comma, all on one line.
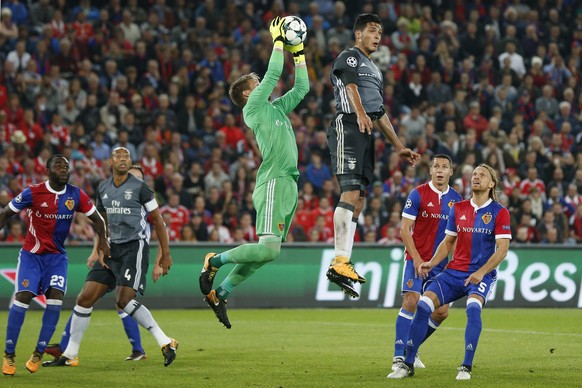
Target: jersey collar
[[475, 207], [49, 188], [440, 193]]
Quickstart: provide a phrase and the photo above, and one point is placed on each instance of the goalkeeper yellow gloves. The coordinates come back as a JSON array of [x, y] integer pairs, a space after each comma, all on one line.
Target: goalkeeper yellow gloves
[[298, 53], [276, 31]]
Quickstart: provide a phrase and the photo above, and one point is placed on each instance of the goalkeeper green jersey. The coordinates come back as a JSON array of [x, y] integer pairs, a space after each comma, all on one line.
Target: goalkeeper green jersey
[[270, 124]]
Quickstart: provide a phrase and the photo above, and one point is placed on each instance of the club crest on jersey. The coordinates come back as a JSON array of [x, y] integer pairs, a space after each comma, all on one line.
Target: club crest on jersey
[[70, 204], [25, 283], [409, 283], [352, 62], [351, 163], [451, 203], [281, 226], [487, 217], [127, 194]]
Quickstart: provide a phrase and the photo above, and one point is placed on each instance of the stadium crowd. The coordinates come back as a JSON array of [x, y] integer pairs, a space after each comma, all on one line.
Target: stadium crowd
[[482, 81]]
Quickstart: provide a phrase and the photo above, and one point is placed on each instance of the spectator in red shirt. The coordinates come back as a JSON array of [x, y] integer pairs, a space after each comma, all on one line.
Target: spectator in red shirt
[[235, 137], [178, 216], [473, 119]]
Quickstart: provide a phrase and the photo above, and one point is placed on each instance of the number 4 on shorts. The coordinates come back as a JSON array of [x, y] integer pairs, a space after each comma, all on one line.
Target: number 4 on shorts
[[127, 274]]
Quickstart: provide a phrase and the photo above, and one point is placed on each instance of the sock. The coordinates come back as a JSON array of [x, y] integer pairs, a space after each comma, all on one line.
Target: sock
[[219, 260], [342, 216], [432, 326], [49, 323], [239, 274], [418, 327], [473, 330], [144, 317], [79, 324], [353, 228], [403, 321], [66, 334], [131, 330], [15, 321]]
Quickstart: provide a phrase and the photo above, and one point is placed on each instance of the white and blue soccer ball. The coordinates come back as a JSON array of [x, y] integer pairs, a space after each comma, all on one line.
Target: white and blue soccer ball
[[294, 30]]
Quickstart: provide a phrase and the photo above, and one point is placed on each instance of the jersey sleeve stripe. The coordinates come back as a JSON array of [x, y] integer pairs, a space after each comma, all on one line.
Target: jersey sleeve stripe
[[450, 233], [13, 208], [409, 216], [151, 205], [499, 236], [91, 211]]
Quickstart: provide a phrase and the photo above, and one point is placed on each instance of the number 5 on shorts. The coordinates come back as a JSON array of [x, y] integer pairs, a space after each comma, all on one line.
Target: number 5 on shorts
[[482, 287], [127, 275]]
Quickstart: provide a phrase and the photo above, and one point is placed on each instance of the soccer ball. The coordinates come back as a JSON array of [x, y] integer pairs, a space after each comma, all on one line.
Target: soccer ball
[[294, 30]]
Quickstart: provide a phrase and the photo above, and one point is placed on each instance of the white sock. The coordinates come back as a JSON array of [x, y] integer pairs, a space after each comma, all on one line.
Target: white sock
[[79, 324], [353, 228], [342, 217], [144, 317]]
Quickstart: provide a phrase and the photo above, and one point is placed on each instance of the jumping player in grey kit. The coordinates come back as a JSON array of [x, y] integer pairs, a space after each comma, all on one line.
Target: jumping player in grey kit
[[357, 86]]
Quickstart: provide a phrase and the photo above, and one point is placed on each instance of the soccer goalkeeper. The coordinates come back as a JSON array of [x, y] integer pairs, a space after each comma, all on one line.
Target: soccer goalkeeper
[[275, 195]]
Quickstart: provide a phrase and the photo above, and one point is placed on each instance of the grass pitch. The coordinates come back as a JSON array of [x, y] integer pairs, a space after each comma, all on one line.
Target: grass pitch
[[313, 348]]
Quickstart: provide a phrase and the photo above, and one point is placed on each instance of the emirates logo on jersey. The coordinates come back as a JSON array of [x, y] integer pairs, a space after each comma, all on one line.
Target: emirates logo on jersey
[[70, 204], [487, 217]]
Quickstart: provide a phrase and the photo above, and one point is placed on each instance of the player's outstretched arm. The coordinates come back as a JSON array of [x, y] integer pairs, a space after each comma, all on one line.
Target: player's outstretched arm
[[100, 229], [157, 271], [293, 97], [5, 214], [365, 123], [387, 129], [440, 254], [494, 261], [405, 233], [262, 92], [158, 223]]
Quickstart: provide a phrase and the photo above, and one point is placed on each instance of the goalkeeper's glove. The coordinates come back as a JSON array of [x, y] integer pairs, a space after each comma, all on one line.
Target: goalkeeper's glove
[[297, 51], [276, 31]]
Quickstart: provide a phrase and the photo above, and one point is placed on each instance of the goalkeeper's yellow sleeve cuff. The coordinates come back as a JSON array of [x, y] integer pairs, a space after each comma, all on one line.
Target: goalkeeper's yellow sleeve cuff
[[299, 59], [278, 44]]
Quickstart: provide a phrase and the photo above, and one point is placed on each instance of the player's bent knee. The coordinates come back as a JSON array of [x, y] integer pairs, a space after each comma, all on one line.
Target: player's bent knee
[[441, 314], [24, 297], [54, 293], [410, 300]]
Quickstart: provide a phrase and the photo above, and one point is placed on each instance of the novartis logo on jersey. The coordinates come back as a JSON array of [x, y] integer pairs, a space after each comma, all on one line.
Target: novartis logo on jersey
[[470, 229], [38, 214], [116, 208], [435, 215]]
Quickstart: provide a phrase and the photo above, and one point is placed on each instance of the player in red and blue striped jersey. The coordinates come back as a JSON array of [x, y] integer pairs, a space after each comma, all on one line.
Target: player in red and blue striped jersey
[[424, 219], [480, 227], [42, 262]]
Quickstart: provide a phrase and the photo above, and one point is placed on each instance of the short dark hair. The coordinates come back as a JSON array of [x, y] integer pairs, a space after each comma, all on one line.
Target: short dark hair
[[365, 18], [443, 156], [50, 160], [137, 167], [238, 87]]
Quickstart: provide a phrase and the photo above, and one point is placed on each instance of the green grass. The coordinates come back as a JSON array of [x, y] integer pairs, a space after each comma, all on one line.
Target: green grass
[[314, 348]]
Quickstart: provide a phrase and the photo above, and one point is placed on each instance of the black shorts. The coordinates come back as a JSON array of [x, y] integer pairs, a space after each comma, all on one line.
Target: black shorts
[[128, 266], [352, 152]]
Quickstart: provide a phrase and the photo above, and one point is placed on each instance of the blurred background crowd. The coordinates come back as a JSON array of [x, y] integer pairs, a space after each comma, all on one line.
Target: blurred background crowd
[[493, 81]]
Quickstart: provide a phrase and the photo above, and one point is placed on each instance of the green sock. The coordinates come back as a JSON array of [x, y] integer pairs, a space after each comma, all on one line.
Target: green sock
[[222, 293], [219, 260]]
